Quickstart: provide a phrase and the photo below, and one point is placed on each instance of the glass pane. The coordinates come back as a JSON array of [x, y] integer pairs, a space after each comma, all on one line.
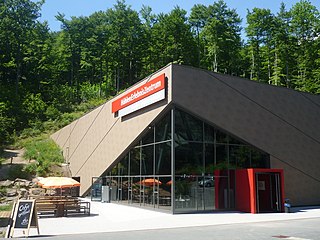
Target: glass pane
[[189, 159], [114, 171], [222, 156], [135, 161], [163, 159], [233, 140], [209, 158], [221, 137], [148, 137], [124, 189], [147, 160], [114, 189], [259, 159], [135, 187], [96, 189], [208, 185], [146, 190], [163, 128], [188, 128], [123, 166], [208, 133], [164, 193], [185, 193], [239, 157]]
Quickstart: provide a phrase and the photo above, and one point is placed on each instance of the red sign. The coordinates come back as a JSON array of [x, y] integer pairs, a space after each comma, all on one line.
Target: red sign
[[139, 93]]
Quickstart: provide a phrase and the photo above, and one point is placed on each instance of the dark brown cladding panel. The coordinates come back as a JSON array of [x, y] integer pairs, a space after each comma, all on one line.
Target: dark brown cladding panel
[[280, 121]]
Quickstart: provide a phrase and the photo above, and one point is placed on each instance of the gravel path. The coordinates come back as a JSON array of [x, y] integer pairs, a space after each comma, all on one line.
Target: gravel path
[[13, 157]]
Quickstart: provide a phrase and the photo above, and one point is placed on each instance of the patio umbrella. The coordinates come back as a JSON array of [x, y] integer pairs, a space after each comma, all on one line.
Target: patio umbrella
[[58, 182], [169, 183], [150, 182]]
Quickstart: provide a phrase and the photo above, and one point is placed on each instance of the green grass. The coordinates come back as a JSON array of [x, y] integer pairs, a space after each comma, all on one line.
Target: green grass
[[45, 151], [7, 207], [38, 145]]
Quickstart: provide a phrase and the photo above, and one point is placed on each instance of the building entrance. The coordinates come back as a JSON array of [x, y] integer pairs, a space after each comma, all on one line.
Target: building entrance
[[259, 190], [268, 192], [96, 189]]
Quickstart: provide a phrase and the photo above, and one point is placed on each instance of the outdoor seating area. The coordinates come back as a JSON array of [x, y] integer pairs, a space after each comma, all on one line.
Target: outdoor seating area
[[61, 206], [59, 200]]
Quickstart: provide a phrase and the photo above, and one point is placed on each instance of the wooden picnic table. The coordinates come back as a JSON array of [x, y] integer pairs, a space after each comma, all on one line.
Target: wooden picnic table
[[60, 207]]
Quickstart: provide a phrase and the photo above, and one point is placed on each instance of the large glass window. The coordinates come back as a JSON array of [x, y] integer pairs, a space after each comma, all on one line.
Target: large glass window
[[147, 160], [204, 166], [163, 159], [189, 158], [135, 161], [163, 129], [205, 161], [209, 158], [188, 128]]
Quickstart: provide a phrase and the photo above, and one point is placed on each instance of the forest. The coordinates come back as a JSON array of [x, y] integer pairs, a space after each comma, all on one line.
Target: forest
[[45, 76]]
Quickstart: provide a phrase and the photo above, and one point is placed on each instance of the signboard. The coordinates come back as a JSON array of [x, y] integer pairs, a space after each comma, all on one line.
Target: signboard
[[142, 96], [25, 215]]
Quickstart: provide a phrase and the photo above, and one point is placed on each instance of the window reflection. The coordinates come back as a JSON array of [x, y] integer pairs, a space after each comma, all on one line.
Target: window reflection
[[204, 166], [189, 158], [163, 129], [163, 159]]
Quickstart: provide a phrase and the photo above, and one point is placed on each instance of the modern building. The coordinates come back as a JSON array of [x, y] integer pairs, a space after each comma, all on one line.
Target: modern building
[[190, 140]]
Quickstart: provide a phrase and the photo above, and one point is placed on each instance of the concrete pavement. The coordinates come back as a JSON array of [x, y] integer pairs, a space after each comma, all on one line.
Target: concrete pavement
[[110, 217]]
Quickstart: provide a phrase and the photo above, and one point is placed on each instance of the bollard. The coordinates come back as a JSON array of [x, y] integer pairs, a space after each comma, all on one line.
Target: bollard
[[287, 205]]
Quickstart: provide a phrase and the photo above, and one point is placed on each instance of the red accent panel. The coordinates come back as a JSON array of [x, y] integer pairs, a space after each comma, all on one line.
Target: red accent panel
[[246, 190], [252, 183], [243, 197], [139, 93]]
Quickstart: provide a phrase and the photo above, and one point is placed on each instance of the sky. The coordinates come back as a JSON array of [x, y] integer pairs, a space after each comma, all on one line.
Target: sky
[[86, 7]]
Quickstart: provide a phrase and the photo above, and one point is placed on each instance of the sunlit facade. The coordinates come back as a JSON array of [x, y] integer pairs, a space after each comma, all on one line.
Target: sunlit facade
[[187, 140]]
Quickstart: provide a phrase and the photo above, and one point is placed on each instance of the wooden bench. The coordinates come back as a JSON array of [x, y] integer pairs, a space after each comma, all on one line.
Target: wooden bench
[[77, 208], [46, 208], [60, 207]]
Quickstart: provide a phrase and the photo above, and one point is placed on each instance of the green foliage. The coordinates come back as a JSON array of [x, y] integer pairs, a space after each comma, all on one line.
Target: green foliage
[[43, 149], [6, 207], [6, 123], [44, 152], [1, 161], [48, 79], [52, 113]]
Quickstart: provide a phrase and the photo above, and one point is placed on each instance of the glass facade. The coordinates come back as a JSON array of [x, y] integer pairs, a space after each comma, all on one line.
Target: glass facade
[[204, 159]]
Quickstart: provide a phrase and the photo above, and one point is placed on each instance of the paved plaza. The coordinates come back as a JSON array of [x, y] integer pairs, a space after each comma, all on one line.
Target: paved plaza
[[110, 217]]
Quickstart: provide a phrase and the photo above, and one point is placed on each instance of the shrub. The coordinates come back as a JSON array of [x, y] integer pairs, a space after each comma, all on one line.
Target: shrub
[[42, 150], [31, 169], [45, 152], [52, 113]]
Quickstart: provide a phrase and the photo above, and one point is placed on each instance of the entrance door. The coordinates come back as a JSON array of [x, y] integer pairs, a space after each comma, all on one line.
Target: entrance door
[[268, 192], [96, 188]]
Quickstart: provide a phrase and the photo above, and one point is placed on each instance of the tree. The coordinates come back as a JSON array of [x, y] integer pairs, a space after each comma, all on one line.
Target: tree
[[18, 19], [198, 19], [172, 40], [305, 25], [222, 39], [283, 49], [259, 32], [125, 46]]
